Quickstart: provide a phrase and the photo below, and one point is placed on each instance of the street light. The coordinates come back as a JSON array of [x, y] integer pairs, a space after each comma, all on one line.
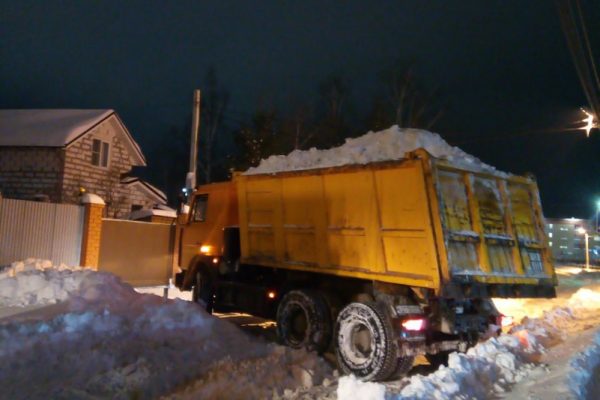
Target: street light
[[582, 231]]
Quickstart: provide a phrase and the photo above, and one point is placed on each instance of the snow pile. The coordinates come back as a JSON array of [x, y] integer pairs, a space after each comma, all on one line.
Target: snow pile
[[585, 299], [584, 368], [36, 282], [554, 324], [258, 378], [485, 370], [390, 144], [551, 328], [350, 388], [490, 367], [111, 342]]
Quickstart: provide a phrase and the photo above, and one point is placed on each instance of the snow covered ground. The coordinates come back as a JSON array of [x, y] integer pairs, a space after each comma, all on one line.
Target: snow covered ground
[[69, 332]]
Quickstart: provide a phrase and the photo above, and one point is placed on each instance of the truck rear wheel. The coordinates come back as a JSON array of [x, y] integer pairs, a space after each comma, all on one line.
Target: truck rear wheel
[[304, 320], [366, 344]]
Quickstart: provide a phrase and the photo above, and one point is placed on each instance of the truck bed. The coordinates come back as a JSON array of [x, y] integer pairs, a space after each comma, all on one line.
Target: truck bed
[[418, 222]]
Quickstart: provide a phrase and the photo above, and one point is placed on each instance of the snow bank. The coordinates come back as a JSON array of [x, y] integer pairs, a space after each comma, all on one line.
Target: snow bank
[[584, 370], [584, 299], [38, 282], [113, 342], [485, 370], [279, 373], [389, 144], [488, 368], [350, 388]]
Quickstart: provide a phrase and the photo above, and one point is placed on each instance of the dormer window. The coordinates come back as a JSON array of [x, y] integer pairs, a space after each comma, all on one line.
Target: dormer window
[[100, 153]]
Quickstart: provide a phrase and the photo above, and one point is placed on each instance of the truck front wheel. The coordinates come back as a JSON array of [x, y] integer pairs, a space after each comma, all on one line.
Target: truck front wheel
[[366, 343], [203, 292], [304, 320]]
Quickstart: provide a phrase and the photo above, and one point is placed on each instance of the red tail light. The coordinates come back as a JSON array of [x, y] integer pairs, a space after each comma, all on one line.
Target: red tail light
[[413, 324]]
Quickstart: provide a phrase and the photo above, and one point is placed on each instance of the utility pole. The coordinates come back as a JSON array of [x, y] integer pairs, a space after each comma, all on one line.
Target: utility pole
[[597, 212], [587, 252], [190, 180]]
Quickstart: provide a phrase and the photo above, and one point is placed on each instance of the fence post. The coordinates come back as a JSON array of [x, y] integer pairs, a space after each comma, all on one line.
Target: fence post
[[92, 230]]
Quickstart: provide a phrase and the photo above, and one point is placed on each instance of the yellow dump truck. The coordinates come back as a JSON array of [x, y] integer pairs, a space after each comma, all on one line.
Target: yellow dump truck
[[380, 262]]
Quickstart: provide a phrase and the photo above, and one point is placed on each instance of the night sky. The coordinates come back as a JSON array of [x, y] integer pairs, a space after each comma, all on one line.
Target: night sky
[[503, 69]]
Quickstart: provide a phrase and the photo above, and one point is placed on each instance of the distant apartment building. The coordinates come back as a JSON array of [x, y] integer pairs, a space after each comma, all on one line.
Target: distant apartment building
[[568, 244]]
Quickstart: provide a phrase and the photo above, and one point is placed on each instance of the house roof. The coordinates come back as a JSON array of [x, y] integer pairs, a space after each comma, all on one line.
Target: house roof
[[144, 213], [57, 128], [159, 196]]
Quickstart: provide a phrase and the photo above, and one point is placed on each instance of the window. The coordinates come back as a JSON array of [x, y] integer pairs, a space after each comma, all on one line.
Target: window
[[550, 243], [550, 234], [550, 226], [199, 214], [100, 153], [136, 207]]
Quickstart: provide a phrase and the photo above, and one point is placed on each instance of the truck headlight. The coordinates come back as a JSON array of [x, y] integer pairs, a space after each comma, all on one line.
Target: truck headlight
[[205, 249]]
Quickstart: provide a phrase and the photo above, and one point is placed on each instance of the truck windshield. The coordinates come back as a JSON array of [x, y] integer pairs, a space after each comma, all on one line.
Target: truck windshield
[[200, 203]]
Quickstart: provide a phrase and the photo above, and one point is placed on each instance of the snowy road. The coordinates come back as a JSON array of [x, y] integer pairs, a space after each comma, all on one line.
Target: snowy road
[[73, 333]]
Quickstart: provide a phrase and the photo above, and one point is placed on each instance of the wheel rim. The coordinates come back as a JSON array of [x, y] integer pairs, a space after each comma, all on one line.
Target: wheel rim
[[357, 342], [298, 325]]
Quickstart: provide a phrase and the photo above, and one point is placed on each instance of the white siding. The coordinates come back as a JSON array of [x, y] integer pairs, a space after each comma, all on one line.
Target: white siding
[[41, 230]]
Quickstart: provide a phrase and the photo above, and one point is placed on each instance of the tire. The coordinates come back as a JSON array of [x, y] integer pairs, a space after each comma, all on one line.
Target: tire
[[366, 343], [304, 321], [203, 291], [403, 366]]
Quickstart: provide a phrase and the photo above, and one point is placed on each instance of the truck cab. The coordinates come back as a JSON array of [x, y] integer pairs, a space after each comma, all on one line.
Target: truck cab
[[201, 241]]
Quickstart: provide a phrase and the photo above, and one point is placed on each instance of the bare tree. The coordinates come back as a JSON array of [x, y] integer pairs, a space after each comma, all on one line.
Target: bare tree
[[412, 105], [298, 128], [259, 139], [214, 103], [332, 128]]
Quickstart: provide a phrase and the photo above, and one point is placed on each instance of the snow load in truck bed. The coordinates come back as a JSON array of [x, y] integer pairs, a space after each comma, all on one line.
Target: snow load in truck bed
[[390, 144]]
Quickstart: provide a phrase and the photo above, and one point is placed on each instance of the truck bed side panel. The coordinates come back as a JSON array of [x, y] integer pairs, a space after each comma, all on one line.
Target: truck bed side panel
[[366, 222]]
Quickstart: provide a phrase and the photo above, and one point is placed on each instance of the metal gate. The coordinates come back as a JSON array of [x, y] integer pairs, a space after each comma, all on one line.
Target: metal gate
[[42, 230], [141, 253]]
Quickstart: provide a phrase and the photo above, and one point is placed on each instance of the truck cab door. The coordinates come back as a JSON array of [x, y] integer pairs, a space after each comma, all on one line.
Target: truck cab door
[[193, 233]]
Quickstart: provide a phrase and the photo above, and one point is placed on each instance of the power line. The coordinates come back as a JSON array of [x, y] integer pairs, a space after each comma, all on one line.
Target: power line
[[586, 39], [584, 63]]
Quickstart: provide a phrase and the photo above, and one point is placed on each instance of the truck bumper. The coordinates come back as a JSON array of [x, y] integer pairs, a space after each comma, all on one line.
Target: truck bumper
[[469, 289]]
